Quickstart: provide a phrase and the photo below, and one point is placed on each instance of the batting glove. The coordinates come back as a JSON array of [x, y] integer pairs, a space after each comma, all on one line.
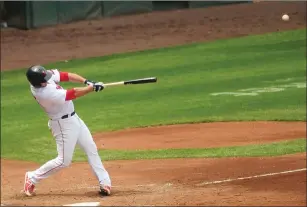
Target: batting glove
[[89, 82], [98, 86]]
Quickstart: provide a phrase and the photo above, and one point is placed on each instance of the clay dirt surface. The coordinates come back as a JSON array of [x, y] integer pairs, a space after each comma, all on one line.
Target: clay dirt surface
[[203, 135], [176, 181], [166, 181]]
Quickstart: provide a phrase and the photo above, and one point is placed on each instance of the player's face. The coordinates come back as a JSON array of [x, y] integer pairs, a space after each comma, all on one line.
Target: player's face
[[44, 84]]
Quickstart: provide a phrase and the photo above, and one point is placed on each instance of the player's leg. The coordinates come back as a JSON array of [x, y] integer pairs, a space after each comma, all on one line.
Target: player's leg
[[66, 134], [87, 144]]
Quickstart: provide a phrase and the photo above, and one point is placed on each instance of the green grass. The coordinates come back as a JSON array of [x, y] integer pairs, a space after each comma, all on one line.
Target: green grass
[[271, 149], [187, 75]]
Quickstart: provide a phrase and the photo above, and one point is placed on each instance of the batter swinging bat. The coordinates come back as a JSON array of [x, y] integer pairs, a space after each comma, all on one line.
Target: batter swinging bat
[[135, 81]]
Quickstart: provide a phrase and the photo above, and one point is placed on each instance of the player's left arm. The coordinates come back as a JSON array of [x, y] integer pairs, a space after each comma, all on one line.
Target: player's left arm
[[70, 77], [63, 76], [75, 78]]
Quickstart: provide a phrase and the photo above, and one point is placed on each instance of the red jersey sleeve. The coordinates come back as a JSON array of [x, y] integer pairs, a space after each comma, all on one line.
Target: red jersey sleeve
[[70, 95], [64, 76]]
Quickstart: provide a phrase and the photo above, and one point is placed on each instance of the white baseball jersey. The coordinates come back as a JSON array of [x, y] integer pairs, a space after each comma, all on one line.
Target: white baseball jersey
[[54, 100], [68, 132]]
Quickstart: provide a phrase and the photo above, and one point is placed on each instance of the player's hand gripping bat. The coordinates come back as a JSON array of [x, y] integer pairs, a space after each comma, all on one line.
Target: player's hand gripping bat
[[135, 81]]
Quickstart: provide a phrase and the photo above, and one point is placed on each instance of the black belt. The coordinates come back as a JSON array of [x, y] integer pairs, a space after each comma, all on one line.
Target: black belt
[[66, 116]]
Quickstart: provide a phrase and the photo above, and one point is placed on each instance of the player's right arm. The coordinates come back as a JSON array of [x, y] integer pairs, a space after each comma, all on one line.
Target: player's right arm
[[81, 91], [78, 92], [59, 95]]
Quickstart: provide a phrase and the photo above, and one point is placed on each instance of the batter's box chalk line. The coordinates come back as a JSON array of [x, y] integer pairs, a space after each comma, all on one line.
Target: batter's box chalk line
[[84, 204], [251, 177], [170, 184], [200, 184]]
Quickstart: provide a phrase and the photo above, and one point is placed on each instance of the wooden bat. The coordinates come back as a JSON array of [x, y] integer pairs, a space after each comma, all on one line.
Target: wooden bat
[[135, 81]]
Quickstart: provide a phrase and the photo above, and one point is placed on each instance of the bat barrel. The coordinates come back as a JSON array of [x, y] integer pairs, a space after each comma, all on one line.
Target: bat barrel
[[141, 81]]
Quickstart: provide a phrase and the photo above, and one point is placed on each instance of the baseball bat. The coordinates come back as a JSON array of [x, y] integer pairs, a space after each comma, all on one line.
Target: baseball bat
[[134, 81]]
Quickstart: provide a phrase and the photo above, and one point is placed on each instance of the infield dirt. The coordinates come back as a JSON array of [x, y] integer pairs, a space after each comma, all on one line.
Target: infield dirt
[[173, 181], [167, 182]]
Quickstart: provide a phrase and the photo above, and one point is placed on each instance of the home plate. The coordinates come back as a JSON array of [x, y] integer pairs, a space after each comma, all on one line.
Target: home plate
[[84, 204]]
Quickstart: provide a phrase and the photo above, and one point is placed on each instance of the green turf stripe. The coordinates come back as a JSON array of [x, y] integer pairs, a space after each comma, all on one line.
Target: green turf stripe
[[271, 149]]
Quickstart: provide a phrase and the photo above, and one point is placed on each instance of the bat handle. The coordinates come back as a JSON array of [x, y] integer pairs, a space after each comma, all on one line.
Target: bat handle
[[114, 83]]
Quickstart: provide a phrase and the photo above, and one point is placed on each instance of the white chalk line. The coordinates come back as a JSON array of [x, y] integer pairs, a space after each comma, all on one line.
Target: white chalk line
[[200, 184], [218, 181], [251, 177]]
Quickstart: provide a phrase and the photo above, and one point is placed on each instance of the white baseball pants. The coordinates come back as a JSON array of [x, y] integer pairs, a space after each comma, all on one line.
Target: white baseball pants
[[69, 132]]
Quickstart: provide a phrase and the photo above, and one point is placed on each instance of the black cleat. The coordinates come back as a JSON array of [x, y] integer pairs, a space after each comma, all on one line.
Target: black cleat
[[105, 190]]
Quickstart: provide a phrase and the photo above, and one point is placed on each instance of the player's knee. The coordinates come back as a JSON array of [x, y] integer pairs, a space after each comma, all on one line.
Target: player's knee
[[63, 162], [59, 161]]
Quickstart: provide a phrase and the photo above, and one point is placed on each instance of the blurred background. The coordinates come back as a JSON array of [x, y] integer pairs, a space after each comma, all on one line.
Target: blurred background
[[34, 14]]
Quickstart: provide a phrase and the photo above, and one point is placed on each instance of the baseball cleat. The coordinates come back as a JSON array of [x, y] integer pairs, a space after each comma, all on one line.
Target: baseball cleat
[[29, 187], [105, 190]]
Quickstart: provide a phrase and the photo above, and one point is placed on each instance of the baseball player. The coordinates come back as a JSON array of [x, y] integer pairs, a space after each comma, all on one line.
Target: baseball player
[[66, 126]]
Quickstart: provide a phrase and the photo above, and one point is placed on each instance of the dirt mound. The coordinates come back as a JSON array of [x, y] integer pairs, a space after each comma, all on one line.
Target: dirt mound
[[168, 182], [202, 135], [145, 31]]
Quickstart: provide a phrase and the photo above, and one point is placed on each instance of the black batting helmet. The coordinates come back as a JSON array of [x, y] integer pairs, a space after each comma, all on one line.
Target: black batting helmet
[[37, 74]]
